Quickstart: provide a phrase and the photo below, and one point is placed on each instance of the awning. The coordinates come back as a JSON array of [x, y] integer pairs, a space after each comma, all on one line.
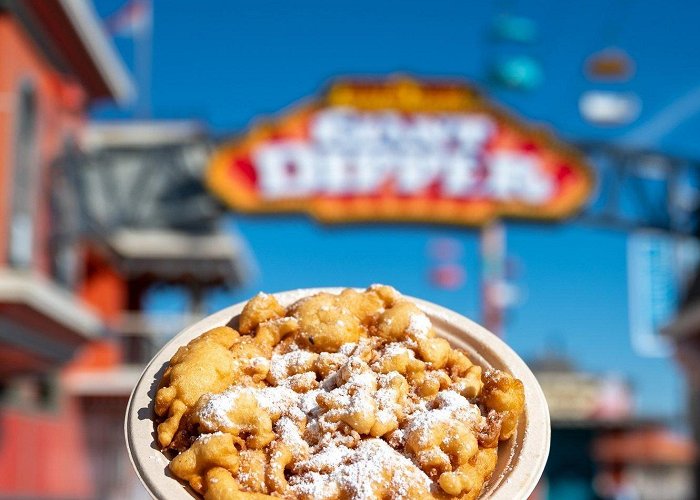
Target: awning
[[71, 36], [175, 255], [41, 324], [647, 446], [114, 382]]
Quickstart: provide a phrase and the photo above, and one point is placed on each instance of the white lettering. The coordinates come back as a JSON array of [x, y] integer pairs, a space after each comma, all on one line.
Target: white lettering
[[286, 169], [416, 172], [352, 152], [515, 176], [460, 175]]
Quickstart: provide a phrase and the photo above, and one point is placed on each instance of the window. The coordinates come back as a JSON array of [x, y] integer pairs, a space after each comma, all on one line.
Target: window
[[33, 392], [65, 215], [21, 238]]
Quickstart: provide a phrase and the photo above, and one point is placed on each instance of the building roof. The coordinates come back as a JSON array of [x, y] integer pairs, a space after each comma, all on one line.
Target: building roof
[[686, 323], [654, 445], [141, 134], [72, 38]]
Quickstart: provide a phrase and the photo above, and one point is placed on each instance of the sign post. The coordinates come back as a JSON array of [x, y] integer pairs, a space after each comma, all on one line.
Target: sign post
[[494, 289]]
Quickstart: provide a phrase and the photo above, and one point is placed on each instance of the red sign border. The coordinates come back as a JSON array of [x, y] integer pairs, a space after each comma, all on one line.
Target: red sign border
[[464, 98]]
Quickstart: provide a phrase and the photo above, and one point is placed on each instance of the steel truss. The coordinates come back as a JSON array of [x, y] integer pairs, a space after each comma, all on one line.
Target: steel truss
[[639, 189]]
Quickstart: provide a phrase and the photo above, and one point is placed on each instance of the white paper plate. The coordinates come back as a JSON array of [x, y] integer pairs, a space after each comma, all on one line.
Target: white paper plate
[[521, 459]]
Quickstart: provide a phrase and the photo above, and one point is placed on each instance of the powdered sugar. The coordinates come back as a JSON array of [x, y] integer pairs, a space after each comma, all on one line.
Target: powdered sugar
[[289, 433], [447, 408], [371, 470], [348, 349], [344, 419], [396, 349], [387, 398], [214, 412], [205, 438], [418, 325], [276, 401], [281, 365], [258, 362]]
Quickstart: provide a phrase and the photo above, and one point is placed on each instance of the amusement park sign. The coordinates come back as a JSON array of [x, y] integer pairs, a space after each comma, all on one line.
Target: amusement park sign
[[400, 150]]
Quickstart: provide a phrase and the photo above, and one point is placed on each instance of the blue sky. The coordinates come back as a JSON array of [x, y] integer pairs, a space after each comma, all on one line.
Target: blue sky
[[226, 62]]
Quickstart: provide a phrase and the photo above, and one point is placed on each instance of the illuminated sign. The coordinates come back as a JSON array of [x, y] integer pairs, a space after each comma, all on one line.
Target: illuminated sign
[[398, 150]]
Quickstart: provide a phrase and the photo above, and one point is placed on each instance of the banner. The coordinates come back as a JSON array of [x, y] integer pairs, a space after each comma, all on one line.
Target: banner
[[658, 267]]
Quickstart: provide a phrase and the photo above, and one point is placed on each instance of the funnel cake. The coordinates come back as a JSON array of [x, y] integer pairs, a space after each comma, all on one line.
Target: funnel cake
[[346, 396]]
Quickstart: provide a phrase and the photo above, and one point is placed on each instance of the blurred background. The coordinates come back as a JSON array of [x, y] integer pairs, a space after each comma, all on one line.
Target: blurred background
[[531, 165]]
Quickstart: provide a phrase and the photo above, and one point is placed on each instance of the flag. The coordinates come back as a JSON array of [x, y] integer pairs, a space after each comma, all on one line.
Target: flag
[[132, 19], [448, 276]]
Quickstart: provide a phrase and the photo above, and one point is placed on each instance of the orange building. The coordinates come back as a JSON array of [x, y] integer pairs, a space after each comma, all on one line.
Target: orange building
[[55, 62]]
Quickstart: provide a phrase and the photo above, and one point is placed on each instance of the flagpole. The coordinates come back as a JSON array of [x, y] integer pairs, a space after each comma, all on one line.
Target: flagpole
[[493, 251], [143, 60]]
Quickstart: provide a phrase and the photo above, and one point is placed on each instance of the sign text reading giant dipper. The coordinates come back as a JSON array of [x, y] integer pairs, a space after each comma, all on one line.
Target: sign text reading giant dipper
[[400, 150]]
